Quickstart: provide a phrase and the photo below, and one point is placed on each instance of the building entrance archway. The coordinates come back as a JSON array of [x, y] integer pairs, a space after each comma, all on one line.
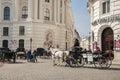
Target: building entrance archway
[[107, 39]]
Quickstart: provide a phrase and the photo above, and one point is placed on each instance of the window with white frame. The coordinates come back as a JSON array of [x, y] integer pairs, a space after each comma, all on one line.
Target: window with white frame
[[106, 7], [5, 43], [6, 13], [5, 31], [47, 14], [24, 12], [21, 43], [47, 1], [61, 4], [21, 30]]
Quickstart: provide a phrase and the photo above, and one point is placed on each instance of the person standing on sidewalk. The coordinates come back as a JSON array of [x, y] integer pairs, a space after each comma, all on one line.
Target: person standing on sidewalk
[[14, 56]]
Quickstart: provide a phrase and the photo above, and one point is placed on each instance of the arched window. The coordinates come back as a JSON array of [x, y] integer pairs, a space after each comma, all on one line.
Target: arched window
[[6, 13], [24, 12], [21, 43], [5, 43], [47, 14]]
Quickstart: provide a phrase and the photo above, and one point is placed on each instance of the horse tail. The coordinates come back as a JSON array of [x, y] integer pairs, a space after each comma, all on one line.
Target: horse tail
[[64, 56]]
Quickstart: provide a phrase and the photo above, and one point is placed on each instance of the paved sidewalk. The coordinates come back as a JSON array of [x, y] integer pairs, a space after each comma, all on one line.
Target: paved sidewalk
[[44, 70]]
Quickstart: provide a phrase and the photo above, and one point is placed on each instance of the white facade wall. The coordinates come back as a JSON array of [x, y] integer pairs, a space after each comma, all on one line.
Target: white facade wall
[[85, 44], [35, 25], [95, 9]]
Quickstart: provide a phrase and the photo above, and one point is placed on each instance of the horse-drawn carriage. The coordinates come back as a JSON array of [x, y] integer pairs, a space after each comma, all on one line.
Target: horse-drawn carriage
[[103, 59], [75, 58], [6, 55], [100, 60], [20, 53]]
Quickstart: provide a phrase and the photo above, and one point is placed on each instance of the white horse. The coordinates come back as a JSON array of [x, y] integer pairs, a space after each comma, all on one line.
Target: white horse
[[58, 56]]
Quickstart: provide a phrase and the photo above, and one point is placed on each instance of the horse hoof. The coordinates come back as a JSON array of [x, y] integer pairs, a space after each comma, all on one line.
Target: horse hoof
[[54, 64]]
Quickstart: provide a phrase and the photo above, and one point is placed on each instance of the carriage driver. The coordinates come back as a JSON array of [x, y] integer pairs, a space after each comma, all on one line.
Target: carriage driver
[[76, 47]]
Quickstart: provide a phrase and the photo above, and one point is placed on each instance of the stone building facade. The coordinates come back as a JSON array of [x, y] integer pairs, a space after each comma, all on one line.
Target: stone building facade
[[33, 24], [105, 25]]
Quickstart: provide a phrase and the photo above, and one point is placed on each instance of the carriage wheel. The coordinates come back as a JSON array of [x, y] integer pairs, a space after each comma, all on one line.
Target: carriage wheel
[[1, 62], [109, 63], [96, 62], [105, 63], [80, 61], [72, 63]]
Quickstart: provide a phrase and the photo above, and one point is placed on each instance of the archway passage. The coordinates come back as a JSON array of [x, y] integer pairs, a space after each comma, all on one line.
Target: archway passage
[[107, 39]]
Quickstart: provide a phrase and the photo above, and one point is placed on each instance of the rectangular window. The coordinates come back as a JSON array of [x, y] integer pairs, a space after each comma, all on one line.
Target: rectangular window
[[21, 30], [61, 4], [106, 7], [47, 1], [5, 31], [60, 17], [46, 18]]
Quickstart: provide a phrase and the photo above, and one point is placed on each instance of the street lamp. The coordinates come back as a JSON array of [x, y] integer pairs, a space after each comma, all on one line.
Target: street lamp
[[30, 43]]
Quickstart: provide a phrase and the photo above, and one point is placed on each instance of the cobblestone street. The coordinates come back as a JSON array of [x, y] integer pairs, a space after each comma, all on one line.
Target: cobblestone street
[[44, 70]]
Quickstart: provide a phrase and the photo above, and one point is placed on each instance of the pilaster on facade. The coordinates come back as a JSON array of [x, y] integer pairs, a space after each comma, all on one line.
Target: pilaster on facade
[[0, 11], [36, 10], [16, 10], [41, 10], [30, 10], [63, 12], [58, 11]]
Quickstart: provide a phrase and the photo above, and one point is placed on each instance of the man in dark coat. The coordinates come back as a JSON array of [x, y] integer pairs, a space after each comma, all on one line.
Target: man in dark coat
[[76, 48], [14, 56]]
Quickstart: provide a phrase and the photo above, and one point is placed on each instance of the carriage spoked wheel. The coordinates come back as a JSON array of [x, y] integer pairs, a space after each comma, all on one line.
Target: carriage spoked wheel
[[96, 62], [72, 62], [105, 62], [1, 60], [1, 63], [77, 62], [80, 61]]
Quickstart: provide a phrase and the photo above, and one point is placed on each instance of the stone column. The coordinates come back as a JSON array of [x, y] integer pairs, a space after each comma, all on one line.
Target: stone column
[[30, 7], [53, 7], [63, 12], [55, 11], [16, 10], [36, 10], [0, 11], [58, 11]]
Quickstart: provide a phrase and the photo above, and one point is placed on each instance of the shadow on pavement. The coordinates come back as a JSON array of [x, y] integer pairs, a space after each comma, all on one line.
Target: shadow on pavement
[[102, 68], [17, 63], [114, 69], [91, 67]]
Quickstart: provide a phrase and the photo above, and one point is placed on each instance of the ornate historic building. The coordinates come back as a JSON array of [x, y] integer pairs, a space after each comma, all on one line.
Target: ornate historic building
[[105, 25], [33, 24]]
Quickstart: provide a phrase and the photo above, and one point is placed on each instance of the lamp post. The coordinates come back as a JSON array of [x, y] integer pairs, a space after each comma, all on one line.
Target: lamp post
[[30, 43]]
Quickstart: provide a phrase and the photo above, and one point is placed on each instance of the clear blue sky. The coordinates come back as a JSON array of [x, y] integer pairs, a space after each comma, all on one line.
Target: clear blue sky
[[81, 17]]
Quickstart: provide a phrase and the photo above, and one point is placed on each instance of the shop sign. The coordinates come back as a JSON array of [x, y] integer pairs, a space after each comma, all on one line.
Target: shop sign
[[112, 18], [117, 44], [95, 45]]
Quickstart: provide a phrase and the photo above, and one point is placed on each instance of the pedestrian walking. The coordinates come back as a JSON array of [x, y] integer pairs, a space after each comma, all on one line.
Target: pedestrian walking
[[14, 56], [34, 55], [28, 55]]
